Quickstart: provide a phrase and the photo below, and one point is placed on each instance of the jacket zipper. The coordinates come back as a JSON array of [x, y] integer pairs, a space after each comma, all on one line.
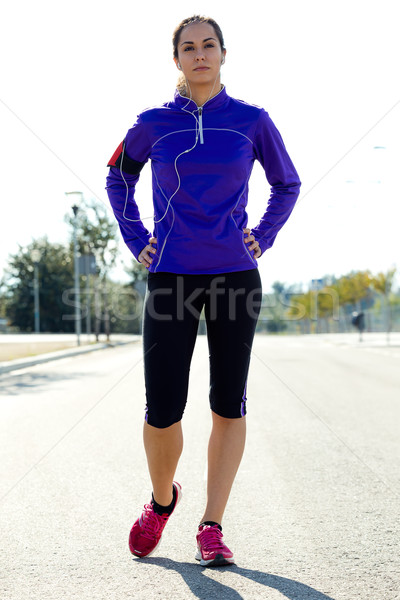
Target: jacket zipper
[[201, 124]]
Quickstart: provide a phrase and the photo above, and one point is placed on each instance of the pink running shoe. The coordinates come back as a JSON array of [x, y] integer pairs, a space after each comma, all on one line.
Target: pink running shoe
[[146, 532], [211, 550]]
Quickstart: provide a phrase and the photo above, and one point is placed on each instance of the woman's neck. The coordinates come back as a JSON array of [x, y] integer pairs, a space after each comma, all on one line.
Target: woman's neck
[[201, 94]]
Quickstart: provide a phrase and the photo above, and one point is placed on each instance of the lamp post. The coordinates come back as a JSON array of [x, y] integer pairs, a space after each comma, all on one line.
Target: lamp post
[[87, 273], [35, 256], [75, 209], [87, 265]]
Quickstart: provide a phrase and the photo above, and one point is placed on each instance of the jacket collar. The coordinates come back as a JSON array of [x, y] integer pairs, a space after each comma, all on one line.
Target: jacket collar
[[190, 105]]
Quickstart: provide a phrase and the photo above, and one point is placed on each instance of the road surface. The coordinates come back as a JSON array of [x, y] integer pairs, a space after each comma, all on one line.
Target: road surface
[[314, 513]]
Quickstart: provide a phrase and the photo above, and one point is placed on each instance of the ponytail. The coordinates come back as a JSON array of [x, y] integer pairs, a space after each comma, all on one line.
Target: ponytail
[[181, 85]]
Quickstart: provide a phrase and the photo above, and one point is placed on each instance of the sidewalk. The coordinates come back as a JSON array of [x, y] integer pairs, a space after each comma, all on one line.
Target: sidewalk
[[35, 349]]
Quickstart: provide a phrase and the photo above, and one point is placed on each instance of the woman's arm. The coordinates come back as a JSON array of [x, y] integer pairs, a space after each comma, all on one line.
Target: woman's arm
[[121, 181], [282, 176]]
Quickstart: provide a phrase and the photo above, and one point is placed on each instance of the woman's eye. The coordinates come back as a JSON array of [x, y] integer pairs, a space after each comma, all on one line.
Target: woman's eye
[[191, 47]]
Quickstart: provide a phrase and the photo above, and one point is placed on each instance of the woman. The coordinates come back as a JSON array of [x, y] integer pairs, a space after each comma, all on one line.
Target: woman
[[202, 147]]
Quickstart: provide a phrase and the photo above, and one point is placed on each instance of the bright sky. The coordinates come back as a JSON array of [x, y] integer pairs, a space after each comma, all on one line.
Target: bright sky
[[75, 74]]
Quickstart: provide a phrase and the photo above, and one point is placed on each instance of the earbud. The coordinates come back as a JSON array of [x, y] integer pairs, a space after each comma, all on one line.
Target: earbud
[[179, 66], [223, 60]]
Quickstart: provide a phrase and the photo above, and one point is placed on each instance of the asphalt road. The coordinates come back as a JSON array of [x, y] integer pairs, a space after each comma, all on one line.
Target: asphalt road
[[314, 513]]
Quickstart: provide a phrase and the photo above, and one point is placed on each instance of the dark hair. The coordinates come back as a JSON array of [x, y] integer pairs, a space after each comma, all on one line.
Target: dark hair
[[181, 85], [189, 21]]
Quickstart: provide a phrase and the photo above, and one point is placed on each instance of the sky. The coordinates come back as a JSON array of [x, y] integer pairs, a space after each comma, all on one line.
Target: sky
[[74, 75]]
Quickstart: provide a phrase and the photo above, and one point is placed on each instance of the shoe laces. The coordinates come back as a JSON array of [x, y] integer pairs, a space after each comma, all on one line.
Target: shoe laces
[[211, 538], [152, 522]]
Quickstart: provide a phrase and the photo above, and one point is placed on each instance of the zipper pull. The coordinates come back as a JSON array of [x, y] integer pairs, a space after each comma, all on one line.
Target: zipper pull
[[201, 124]]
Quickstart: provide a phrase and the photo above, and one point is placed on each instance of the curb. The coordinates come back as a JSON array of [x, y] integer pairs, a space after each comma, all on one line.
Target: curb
[[22, 363]]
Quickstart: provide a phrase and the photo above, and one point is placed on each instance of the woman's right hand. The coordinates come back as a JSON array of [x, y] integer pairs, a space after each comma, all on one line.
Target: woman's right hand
[[145, 257]]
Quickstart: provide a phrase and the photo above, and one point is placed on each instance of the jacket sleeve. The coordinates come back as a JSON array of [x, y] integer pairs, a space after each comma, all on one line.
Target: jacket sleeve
[[270, 151], [125, 166]]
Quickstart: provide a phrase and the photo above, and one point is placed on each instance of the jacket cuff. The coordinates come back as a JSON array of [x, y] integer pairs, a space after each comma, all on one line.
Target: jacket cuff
[[262, 241]]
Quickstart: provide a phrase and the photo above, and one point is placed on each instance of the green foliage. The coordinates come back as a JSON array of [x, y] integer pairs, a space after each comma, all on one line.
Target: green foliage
[[301, 306], [273, 310], [275, 325], [125, 308], [337, 299], [136, 271], [347, 291], [96, 234], [55, 276], [3, 300], [354, 287], [383, 282]]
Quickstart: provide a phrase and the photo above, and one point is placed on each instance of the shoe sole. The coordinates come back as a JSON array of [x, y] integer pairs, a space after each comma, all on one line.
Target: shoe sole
[[146, 555], [219, 561], [178, 488]]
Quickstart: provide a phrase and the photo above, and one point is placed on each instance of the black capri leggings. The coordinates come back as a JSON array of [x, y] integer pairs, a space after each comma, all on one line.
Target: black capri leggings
[[173, 305]]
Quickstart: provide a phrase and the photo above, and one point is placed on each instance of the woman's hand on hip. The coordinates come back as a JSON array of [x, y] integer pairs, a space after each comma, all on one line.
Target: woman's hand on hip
[[254, 245], [145, 257]]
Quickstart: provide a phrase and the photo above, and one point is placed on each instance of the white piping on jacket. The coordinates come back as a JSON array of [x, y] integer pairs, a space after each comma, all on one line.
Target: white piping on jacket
[[232, 211], [199, 134], [175, 192]]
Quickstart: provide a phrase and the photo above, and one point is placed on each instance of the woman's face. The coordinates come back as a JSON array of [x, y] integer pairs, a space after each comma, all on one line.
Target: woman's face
[[199, 54]]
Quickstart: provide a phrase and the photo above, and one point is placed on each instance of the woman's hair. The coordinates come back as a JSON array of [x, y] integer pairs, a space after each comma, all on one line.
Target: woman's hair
[[181, 85]]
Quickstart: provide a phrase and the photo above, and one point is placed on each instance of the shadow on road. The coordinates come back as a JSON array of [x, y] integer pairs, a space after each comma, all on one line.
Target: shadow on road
[[204, 588], [14, 384]]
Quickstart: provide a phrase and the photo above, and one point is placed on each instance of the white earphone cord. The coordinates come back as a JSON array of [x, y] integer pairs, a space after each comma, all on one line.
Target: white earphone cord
[[176, 170]]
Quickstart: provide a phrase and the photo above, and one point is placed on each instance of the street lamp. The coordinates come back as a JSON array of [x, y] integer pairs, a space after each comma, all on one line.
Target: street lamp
[[36, 256], [75, 208]]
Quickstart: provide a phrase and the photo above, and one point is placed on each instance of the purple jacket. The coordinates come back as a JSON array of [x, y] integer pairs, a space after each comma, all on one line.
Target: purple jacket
[[201, 160]]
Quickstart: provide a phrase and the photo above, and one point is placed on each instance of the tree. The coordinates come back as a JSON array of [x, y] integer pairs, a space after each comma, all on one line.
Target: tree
[[96, 234], [278, 288], [383, 283], [3, 307], [125, 308], [327, 305], [3, 300], [55, 279], [273, 313], [354, 287], [302, 308], [315, 305], [136, 271], [137, 288]]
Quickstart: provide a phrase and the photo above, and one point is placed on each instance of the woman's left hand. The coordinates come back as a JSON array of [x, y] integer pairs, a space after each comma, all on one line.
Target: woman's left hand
[[255, 245]]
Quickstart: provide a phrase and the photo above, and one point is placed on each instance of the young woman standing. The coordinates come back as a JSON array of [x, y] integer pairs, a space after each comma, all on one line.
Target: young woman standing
[[201, 254]]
